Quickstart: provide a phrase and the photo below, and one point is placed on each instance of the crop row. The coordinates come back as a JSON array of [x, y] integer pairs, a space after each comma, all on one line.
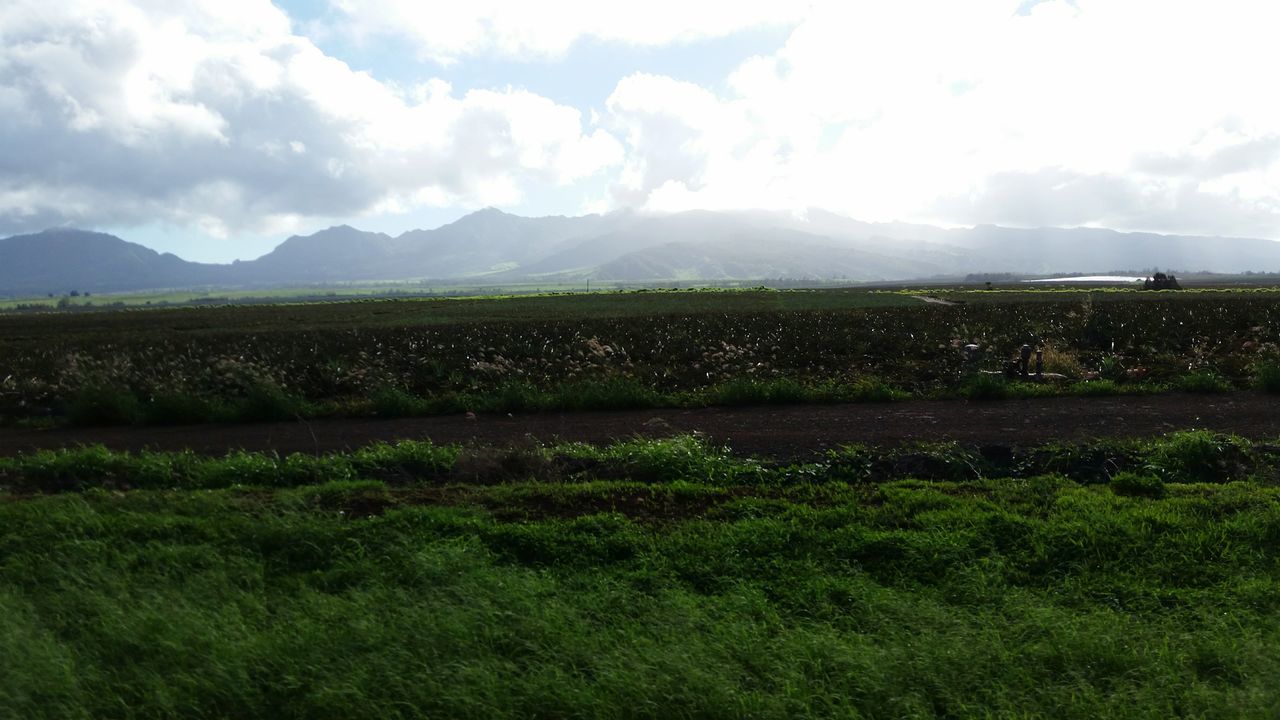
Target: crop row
[[913, 349]]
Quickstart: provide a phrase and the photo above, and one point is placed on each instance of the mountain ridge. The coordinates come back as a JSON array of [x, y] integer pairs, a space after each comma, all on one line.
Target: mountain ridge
[[624, 246]]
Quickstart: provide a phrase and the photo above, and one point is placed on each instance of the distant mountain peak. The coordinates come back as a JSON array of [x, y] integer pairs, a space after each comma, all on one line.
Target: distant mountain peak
[[487, 212]]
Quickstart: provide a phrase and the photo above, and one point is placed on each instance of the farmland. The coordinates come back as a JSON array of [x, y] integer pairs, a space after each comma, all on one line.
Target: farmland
[[852, 566], [618, 350]]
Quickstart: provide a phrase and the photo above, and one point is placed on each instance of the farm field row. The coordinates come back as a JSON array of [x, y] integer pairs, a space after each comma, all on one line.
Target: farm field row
[[645, 579], [781, 432], [605, 351]]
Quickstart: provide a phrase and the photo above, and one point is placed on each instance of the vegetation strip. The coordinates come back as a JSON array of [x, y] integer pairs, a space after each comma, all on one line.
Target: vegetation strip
[[616, 351], [1188, 456], [644, 579]]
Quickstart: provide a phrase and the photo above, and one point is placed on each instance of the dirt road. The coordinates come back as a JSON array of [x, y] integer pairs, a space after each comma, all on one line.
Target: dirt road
[[779, 431]]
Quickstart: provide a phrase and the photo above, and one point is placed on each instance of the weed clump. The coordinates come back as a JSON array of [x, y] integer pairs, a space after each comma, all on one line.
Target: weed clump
[[103, 403], [179, 408], [1061, 361], [1267, 375], [1202, 381], [613, 393], [1200, 456], [869, 389], [751, 391], [986, 387], [390, 401], [1131, 484], [268, 402], [518, 463], [1113, 369]]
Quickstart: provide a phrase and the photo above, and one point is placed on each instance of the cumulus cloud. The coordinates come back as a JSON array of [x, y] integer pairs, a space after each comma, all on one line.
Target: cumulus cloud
[[1144, 114], [216, 114], [212, 113], [449, 31]]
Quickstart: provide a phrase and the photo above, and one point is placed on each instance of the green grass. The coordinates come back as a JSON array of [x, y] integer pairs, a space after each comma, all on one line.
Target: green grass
[[1202, 381], [987, 387], [1267, 375], [1136, 485], [647, 579]]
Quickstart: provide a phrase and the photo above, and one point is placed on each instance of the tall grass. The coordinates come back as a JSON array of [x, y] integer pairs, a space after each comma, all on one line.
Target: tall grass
[[1202, 381], [691, 584], [1267, 375], [986, 387]]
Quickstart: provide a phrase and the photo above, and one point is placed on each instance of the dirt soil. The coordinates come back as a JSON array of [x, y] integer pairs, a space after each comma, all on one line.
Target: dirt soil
[[776, 431]]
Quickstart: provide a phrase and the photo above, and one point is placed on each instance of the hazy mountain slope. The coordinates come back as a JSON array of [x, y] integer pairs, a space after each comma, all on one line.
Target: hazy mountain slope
[[59, 261], [1045, 250], [775, 254], [338, 253], [632, 232], [481, 242], [627, 246], [490, 240], [1056, 250]]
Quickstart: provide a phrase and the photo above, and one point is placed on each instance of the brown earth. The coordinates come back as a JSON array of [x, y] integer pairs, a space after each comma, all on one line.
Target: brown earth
[[777, 431]]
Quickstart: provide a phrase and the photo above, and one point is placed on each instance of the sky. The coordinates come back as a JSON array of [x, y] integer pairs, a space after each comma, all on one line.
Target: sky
[[214, 129]]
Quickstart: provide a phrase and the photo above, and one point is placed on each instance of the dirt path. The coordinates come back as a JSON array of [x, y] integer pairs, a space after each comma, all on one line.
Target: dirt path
[[782, 431]]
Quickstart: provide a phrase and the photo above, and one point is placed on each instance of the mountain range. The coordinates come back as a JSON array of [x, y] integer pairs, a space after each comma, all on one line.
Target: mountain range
[[491, 246]]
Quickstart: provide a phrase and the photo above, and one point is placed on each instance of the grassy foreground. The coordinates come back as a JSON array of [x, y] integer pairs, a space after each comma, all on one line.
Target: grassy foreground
[[649, 579]]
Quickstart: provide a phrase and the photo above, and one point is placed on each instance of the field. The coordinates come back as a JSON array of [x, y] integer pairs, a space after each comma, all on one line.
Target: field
[[648, 579], [618, 350], [848, 564], [397, 289]]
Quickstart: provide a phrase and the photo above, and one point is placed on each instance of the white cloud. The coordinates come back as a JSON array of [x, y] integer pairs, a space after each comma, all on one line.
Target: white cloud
[[213, 114], [1141, 114], [1132, 113], [450, 31]]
